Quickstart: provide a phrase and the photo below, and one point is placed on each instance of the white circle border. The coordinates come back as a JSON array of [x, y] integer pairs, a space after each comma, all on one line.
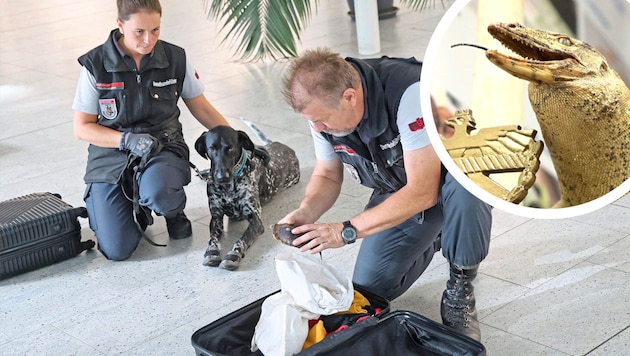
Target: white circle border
[[430, 58]]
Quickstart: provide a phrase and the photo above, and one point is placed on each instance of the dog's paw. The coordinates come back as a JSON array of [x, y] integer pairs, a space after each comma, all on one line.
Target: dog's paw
[[212, 257], [231, 261]]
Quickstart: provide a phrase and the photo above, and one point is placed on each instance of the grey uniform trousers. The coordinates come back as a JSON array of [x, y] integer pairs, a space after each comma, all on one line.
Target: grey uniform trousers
[[388, 263], [110, 212]]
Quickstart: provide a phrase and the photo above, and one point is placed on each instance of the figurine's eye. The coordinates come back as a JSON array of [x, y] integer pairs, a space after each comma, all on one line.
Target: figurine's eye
[[565, 41]]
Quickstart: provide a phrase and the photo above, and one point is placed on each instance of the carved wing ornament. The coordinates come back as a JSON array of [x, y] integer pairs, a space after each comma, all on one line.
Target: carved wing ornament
[[494, 150]]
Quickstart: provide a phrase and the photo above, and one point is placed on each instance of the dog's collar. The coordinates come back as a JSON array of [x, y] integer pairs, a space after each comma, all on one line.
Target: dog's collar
[[239, 167]]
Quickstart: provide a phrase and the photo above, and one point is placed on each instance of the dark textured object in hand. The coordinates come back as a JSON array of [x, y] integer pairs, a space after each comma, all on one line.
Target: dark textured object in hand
[[282, 233]]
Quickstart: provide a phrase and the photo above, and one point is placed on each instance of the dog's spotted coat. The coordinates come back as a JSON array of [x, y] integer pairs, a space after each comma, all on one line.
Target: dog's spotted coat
[[242, 178]]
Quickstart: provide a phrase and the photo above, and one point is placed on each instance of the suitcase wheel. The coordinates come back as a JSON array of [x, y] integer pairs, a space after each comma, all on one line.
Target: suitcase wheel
[[87, 245]]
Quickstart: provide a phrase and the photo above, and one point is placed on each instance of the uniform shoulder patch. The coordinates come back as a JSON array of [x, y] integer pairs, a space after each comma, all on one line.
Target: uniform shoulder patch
[[417, 125]]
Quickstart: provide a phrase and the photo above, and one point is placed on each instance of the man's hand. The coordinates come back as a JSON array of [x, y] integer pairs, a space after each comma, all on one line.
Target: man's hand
[[318, 237], [296, 217], [139, 144]]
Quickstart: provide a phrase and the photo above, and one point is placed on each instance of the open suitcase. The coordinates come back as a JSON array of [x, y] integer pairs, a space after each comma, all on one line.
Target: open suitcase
[[37, 230], [387, 333]]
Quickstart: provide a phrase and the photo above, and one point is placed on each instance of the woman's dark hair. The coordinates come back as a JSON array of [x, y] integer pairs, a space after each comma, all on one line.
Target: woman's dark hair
[[127, 8]]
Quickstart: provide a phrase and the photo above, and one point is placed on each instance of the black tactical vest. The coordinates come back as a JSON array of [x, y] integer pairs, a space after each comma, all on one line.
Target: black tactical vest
[[140, 102], [379, 164]]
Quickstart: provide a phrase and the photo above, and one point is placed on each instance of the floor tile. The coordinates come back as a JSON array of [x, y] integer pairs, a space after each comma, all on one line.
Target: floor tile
[[570, 312], [538, 250]]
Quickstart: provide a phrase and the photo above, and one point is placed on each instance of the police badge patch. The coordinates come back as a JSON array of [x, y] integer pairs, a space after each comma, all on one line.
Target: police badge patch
[[354, 174], [108, 108]]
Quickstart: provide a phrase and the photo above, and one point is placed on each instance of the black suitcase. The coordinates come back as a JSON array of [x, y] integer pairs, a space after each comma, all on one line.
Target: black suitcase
[[37, 230], [233, 333], [387, 333], [397, 333]]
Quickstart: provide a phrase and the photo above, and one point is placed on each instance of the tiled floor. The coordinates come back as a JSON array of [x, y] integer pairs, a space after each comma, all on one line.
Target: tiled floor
[[548, 287]]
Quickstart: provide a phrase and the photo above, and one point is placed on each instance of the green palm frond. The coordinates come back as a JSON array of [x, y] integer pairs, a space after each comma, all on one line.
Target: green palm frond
[[271, 28], [261, 28]]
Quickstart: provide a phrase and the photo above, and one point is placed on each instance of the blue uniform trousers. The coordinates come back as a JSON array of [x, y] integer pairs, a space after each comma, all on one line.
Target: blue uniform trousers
[[389, 262], [110, 212]]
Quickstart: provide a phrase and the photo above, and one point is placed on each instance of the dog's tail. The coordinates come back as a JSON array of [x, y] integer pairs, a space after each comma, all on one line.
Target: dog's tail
[[261, 136]]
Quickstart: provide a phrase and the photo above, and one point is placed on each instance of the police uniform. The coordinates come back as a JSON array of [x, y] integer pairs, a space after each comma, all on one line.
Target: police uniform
[[389, 262], [138, 100]]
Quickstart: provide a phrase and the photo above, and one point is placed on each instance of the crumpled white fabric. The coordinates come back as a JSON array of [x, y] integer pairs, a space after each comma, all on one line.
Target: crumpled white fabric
[[310, 287]]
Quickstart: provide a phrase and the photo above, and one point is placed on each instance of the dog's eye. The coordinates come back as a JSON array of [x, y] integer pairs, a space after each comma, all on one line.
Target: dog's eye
[[211, 150]]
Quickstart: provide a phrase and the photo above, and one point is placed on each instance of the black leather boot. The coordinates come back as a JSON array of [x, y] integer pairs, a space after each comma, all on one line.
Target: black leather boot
[[179, 227], [458, 302]]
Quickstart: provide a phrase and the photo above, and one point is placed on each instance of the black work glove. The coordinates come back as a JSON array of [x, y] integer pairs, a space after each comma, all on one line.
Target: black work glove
[[140, 144]]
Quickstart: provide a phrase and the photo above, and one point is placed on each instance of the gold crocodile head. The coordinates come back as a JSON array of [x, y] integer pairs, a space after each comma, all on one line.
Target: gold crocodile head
[[545, 56]]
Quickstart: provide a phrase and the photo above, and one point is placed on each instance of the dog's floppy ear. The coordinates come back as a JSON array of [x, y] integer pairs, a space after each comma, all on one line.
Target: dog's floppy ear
[[262, 152], [200, 145], [245, 141]]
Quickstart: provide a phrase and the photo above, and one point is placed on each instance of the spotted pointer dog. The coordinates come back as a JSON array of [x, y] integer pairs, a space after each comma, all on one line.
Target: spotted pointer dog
[[242, 177]]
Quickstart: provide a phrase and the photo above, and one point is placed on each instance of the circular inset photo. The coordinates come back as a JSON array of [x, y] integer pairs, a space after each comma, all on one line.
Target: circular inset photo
[[531, 102]]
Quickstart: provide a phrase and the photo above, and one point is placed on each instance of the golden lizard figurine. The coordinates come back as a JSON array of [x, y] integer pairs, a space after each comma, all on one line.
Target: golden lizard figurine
[[582, 106]]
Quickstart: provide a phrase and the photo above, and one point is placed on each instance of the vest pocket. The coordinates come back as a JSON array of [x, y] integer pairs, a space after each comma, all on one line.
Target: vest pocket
[[167, 93], [163, 99], [393, 157]]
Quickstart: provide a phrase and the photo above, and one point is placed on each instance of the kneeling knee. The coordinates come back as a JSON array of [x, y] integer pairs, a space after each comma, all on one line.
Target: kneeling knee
[[116, 254]]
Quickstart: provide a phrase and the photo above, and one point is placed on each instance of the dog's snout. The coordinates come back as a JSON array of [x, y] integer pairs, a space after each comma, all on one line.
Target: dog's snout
[[222, 176]]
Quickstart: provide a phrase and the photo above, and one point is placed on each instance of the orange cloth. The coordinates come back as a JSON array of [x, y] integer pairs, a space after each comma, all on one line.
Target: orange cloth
[[358, 304], [317, 332]]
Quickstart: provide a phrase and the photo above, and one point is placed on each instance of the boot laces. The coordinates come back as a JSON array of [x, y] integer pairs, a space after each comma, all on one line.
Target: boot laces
[[458, 302]]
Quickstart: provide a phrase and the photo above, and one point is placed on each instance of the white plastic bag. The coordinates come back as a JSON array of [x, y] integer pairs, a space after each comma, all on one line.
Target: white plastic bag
[[310, 287]]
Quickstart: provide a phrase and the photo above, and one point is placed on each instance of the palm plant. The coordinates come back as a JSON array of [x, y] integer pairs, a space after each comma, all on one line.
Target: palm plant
[[271, 28]]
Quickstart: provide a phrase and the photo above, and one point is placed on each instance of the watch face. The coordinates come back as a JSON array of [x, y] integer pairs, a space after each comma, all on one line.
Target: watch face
[[349, 234]]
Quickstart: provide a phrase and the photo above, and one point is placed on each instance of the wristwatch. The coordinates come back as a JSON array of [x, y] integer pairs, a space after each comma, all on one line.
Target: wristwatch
[[348, 233]]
